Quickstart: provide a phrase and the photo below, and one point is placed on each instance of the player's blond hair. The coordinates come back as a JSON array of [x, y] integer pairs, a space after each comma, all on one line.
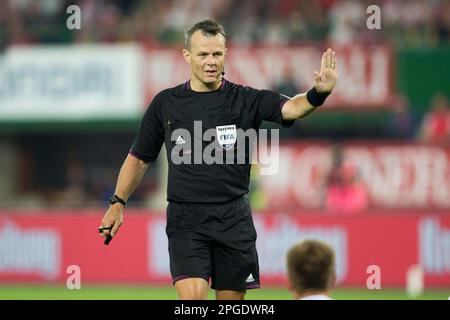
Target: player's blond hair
[[311, 266]]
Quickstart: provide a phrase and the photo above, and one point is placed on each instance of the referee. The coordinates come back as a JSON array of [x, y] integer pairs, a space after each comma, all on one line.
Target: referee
[[209, 222]]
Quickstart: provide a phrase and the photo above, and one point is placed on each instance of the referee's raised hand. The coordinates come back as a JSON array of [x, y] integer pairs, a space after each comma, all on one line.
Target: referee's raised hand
[[111, 222], [325, 79]]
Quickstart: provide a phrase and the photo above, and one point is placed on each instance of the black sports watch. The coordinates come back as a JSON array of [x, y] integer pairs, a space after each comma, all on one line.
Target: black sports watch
[[115, 199]]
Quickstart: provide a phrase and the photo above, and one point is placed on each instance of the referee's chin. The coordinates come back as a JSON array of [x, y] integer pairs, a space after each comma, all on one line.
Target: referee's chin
[[212, 82]]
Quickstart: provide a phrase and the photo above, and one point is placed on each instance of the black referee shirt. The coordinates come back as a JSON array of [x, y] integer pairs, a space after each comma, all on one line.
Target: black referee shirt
[[230, 106]]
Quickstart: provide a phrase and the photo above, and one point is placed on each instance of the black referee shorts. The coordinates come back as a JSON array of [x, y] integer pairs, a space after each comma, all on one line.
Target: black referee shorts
[[214, 241]]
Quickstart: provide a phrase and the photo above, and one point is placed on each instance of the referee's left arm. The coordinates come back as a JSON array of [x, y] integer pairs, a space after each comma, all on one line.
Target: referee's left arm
[[303, 104]]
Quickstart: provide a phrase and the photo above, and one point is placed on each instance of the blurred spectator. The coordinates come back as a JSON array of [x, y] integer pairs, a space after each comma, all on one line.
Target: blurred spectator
[[436, 124], [346, 19], [344, 192], [402, 122], [258, 198], [75, 193], [442, 23], [287, 84]]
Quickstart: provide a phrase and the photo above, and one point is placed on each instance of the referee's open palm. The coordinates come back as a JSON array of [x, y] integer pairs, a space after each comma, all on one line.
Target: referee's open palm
[[325, 80]]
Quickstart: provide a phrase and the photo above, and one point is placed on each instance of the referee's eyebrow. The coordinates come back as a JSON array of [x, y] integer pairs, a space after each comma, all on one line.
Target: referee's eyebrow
[[214, 53]]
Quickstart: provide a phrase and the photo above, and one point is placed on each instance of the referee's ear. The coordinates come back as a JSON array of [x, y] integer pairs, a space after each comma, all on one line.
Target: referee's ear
[[187, 55]]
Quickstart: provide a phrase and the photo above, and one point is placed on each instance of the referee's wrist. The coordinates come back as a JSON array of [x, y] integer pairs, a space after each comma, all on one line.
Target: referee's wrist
[[115, 199], [116, 205], [316, 98]]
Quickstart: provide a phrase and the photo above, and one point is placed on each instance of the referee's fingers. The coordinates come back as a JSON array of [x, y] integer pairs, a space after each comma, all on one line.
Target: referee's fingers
[[329, 58], [104, 231], [115, 228], [323, 63], [317, 76], [333, 61]]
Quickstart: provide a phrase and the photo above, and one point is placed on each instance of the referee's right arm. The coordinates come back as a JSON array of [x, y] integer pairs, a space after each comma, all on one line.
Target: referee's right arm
[[131, 173], [144, 151]]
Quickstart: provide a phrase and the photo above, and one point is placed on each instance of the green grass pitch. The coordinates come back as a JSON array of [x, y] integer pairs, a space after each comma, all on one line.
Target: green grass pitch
[[113, 292]]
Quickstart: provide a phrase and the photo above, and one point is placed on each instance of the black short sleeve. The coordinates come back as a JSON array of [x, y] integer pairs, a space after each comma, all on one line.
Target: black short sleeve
[[150, 136], [269, 105]]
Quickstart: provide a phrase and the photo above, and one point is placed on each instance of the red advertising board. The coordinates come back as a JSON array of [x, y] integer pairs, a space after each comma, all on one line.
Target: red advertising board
[[366, 75], [40, 247]]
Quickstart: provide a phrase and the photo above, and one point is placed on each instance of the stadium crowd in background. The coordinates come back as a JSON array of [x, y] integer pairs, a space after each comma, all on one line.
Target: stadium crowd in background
[[161, 22]]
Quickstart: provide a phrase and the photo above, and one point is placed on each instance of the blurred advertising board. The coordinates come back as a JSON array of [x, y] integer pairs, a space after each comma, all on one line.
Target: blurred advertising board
[[366, 74], [89, 82], [80, 82], [395, 175], [42, 246]]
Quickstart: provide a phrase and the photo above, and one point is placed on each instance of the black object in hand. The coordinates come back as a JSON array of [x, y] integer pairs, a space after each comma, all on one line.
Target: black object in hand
[[108, 237]]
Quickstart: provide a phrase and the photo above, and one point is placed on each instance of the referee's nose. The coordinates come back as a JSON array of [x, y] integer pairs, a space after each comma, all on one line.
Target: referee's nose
[[211, 62]]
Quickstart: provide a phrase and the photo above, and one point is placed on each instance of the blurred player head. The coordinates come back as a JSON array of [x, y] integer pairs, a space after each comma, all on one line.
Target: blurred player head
[[205, 51], [311, 269]]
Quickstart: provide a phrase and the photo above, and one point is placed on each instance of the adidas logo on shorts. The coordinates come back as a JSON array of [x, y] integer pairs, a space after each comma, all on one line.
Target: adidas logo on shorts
[[180, 140], [250, 278]]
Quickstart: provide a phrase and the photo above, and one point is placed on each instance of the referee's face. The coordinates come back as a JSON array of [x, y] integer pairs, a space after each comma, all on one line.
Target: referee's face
[[207, 58]]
